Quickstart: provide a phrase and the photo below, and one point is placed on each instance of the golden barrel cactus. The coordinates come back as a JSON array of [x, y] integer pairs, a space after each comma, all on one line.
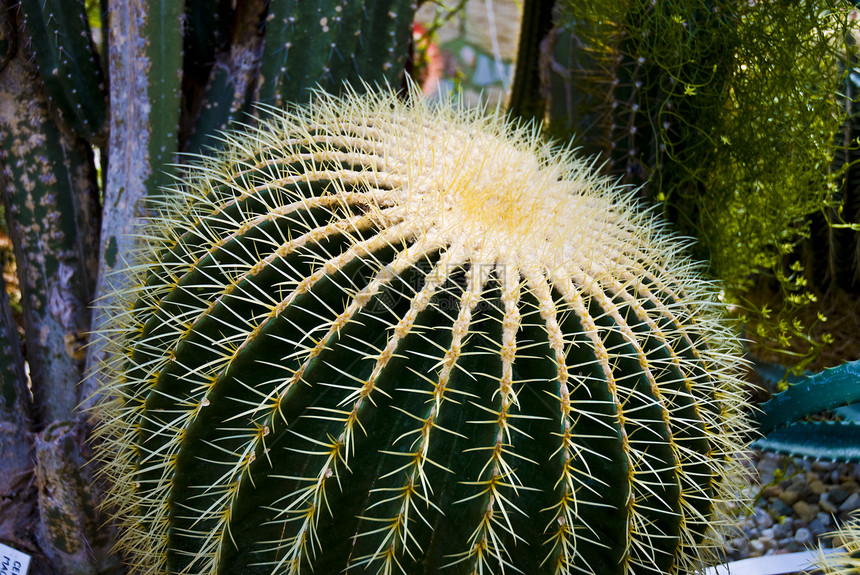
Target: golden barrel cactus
[[377, 337]]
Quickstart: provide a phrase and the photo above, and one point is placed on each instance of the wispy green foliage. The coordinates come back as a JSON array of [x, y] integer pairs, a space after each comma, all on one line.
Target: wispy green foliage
[[725, 111], [727, 115], [777, 136]]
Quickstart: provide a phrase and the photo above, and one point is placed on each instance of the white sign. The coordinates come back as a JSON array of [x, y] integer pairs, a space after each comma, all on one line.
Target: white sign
[[789, 563], [12, 561]]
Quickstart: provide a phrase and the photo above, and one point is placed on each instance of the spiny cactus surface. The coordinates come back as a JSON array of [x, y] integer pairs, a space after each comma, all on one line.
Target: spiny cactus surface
[[388, 338], [846, 559]]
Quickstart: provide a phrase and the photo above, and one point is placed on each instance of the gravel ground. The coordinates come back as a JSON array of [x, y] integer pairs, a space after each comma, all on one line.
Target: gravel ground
[[795, 505]]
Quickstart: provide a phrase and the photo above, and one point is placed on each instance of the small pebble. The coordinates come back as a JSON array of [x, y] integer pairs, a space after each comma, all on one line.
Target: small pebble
[[817, 487], [817, 527], [851, 503], [780, 508], [798, 523], [789, 496], [756, 548], [771, 491], [782, 530], [838, 495], [763, 518], [826, 504], [740, 543], [805, 511], [803, 489], [767, 469], [803, 536]]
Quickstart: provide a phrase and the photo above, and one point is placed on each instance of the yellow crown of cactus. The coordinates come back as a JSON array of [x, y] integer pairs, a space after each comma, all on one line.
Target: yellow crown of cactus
[[376, 337]]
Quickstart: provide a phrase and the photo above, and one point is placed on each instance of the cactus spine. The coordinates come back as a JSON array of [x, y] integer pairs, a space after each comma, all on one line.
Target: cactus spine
[[378, 337], [846, 560]]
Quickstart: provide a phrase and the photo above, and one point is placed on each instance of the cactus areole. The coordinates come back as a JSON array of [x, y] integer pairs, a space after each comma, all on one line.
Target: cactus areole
[[378, 337]]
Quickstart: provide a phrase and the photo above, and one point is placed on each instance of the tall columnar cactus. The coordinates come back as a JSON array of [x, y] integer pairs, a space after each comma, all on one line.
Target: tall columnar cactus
[[48, 188], [377, 337], [68, 64]]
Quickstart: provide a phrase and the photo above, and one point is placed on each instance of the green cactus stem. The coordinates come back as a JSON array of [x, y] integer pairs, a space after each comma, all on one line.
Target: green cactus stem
[[8, 37], [51, 202], [207, 32], [818, 440], [231, 79], [16, 448], [70, 528], [68, 63], [283, 49], [324, 43], [14, 406], [832, 388], [207, 37], [527, 100], [372, 337], [163, 53]]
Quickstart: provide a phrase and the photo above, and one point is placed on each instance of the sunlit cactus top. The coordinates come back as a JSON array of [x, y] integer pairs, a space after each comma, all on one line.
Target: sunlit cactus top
[[372, 336]]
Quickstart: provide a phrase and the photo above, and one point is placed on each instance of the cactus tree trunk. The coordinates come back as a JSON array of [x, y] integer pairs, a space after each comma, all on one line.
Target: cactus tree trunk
[[145, 78], [51, 202]]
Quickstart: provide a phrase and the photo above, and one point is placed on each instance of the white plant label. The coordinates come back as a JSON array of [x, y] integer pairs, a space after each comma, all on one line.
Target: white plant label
[[12, 561]]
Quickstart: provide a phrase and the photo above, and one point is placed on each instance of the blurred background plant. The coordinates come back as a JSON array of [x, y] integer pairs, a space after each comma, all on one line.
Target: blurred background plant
[[738, 119]]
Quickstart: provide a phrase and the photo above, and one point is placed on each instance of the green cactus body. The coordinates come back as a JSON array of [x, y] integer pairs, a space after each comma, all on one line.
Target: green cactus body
[[379, 337]]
